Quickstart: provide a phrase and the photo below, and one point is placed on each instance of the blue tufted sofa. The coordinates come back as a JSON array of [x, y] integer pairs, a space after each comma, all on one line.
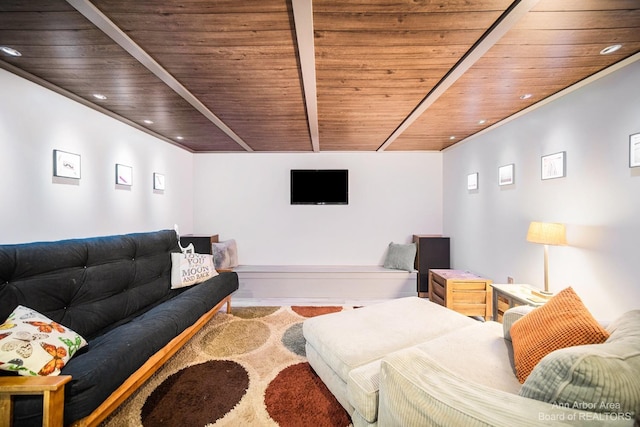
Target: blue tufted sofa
[[115, 292]]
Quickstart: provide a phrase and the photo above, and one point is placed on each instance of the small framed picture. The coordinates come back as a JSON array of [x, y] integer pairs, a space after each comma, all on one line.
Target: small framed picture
[[158, 181], [554, 165], [472, 181], [124, 175], [66, 165], [505, 174], [634, 150]]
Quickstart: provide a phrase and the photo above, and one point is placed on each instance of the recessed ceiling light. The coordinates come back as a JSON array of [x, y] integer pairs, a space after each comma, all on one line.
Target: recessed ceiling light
[[180, 138], [99, 96], [10, 51], [610, 49], [452, 137], [482, 121], [526, 96], [148, 122]]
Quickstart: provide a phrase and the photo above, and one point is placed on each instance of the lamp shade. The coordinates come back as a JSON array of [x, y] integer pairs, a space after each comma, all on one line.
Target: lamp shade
[[547, 233]]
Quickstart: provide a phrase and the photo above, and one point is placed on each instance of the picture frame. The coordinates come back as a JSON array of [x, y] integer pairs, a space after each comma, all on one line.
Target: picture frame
[[506, 174], [158, 181], [472, 181], [554, 165], [634, 150], [124, 175], [66, 165]]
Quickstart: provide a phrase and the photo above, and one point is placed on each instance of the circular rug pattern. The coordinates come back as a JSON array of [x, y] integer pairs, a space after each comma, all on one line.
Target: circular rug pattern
[[236, 337], [253, 312], [172, 403], [297, 397], [311, 311], [294, 340]]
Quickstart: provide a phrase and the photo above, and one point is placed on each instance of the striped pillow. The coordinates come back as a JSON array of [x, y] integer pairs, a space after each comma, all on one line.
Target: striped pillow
[[562, 322]]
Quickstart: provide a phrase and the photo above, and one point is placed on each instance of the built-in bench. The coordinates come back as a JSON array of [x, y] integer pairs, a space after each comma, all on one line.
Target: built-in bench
[[323, 282]]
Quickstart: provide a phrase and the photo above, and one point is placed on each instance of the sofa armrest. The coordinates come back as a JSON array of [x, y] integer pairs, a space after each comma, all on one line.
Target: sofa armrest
[[513, 314], [415, 390], [51, 388]]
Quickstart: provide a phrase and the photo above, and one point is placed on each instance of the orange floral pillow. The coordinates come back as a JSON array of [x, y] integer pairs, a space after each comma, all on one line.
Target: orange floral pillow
[[562, 322]]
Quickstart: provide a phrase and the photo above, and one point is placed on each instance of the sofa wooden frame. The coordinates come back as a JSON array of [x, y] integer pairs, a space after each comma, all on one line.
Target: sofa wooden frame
[[52, 388]]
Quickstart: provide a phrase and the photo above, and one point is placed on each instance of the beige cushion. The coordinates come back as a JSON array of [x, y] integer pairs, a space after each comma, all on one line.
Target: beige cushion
[[352, 338], [599, 377]]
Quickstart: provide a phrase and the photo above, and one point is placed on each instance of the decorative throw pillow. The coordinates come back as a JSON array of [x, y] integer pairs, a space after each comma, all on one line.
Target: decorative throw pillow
[[32, 344], [188, 269], [225, 254], [400, 257], [562, 322]]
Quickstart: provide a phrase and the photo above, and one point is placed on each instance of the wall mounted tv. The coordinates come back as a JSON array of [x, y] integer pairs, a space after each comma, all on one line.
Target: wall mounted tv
[[319, 187]]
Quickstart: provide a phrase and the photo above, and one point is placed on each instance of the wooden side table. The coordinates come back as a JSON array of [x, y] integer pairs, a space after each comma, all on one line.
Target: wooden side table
[[510, 295], [201, 244], [461, 291]]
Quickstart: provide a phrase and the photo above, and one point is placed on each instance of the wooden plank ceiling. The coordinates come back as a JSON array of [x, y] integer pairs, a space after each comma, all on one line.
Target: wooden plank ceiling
[[327, 75]]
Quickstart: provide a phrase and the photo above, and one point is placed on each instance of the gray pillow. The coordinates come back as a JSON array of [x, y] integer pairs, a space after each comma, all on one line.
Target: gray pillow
[[400, 257], [225, 254], [598, 377]]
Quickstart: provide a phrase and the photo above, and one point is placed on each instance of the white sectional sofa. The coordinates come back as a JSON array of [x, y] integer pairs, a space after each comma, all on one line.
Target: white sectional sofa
[[409, 362]]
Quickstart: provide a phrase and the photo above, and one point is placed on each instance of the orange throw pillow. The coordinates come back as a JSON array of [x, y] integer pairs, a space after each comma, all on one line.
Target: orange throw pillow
[[562, 322]]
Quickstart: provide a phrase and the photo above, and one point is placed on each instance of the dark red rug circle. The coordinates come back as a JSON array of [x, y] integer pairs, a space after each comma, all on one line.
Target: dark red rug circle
[[184, 399], [297, 397], [312, 311]]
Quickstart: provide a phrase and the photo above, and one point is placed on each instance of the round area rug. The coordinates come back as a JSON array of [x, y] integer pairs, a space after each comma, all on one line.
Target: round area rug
[[297, 397], [247, 368], [184, 399]]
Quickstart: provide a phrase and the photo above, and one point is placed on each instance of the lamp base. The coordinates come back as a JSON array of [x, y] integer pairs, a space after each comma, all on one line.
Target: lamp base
[[542, 294]]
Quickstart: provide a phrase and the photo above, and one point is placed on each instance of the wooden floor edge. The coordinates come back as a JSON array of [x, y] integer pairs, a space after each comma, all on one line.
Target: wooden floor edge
[[149, 368]]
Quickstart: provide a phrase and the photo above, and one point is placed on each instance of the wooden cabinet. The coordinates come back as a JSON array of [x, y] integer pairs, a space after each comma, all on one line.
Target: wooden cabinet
[[513, 295], [432, 252], [201, 244], [461, 291]]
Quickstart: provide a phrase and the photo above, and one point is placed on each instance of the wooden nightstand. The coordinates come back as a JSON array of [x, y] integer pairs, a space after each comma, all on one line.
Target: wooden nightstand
[[506, 296], [461, 291]]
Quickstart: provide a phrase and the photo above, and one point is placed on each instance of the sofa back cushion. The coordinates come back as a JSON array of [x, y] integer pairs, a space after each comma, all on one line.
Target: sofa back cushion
[[598, 377], [89, 285]]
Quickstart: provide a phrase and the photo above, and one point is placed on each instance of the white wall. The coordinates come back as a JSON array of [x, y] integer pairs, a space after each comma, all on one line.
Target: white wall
[[597, 200], [245, 196], [35, 206]]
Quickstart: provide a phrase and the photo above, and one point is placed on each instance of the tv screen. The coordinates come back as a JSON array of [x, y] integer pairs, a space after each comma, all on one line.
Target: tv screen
[[319, 187]]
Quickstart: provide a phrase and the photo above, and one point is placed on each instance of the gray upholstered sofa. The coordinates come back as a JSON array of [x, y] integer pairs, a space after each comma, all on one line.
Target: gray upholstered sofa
[[409, 362], [115, 292]]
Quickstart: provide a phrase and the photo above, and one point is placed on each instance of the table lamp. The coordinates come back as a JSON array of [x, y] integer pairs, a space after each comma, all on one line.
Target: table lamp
[[547, 233]]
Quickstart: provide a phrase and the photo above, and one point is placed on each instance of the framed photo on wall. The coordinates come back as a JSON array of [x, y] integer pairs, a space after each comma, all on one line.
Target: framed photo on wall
[[124, 175], [472, 181], [554, 165], [505, 174], [158, 181], [66, 165], [634, 150]]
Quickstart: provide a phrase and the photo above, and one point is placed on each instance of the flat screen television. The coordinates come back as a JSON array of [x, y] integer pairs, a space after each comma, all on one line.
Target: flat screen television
[[319, 187]]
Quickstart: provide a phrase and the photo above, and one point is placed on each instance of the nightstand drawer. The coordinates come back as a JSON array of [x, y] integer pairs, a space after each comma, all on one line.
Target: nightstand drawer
[[511, 295]]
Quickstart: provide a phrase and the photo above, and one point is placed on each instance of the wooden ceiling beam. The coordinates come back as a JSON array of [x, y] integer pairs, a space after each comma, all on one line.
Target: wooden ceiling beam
[[502, 26], [94, 15], [303, 21]]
